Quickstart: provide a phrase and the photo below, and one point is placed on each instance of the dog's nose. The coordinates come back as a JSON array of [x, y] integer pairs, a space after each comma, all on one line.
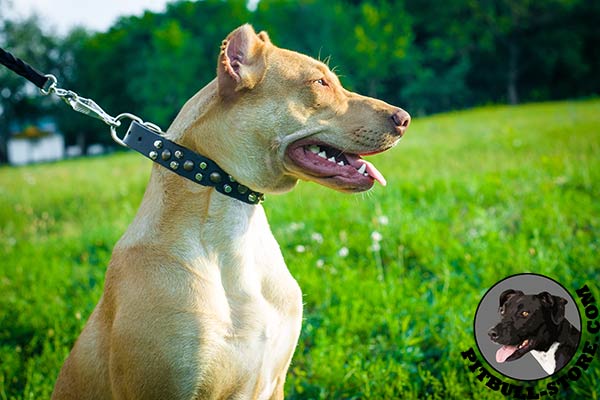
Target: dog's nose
[[493, 334], [401, 120]]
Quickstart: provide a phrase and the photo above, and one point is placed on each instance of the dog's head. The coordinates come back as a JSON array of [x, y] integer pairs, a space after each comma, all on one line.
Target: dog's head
[[284, 116], [527, 322]]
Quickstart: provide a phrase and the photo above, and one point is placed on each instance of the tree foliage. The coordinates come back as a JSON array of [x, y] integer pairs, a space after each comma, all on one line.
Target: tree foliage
[[26, 39], [422, 55]]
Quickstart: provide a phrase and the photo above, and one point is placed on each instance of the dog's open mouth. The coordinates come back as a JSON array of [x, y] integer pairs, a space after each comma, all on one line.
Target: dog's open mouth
[[339, 168], [510, 353]]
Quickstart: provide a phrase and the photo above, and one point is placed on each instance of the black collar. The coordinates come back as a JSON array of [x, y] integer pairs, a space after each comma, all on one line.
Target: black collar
[[186, 163]]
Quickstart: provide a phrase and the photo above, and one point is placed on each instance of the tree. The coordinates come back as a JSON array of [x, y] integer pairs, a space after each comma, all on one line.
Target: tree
[[381, 47], [422, 55], [523, 45], [441, 55], [19, 99], [73, 125]]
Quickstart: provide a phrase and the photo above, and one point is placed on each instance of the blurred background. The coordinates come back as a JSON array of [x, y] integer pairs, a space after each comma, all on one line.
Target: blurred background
[[425, 56]]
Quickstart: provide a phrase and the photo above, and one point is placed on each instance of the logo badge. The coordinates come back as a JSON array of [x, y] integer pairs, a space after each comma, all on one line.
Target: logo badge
[[527, 327]]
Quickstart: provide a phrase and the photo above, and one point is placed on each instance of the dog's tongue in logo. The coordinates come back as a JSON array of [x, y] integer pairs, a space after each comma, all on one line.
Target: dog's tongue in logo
[[504, 352]]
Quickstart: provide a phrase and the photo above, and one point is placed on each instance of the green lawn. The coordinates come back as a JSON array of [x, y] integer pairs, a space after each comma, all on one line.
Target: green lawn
[[391, 278]]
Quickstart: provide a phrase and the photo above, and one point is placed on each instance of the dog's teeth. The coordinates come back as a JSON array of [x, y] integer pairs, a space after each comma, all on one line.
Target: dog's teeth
[[322, 154], [362, 169], [341, 163], [365, 174], [332, 159], [314, 149]]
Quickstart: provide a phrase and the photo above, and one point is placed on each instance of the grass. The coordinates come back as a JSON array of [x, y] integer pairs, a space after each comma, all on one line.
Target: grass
[[391, 278]]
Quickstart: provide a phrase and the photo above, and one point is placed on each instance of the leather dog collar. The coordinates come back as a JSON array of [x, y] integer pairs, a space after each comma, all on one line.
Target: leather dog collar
[[186, 163]]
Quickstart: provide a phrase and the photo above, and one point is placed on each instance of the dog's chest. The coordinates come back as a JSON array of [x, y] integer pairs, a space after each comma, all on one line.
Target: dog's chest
[[256, 309], [265, 356], [547, 359], [255, 344]]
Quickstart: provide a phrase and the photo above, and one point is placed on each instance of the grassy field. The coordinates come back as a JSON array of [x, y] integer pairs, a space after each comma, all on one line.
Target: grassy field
[[391, 278]]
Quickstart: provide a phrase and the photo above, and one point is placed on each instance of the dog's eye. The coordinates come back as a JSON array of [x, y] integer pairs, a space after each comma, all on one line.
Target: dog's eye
[[525, 313], [321, 82]]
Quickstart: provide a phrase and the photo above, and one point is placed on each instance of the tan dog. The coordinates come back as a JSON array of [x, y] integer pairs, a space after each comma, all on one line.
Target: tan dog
[[198, 302]]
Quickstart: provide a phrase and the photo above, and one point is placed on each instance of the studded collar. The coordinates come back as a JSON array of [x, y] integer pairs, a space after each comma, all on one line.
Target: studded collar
[[186, 163]]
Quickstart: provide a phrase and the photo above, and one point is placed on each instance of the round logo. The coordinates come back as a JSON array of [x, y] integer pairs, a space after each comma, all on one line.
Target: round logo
[[527, 327]]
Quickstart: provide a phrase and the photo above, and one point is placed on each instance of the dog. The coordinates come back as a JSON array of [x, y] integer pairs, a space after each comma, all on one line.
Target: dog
[[198, 302], [534, 324]]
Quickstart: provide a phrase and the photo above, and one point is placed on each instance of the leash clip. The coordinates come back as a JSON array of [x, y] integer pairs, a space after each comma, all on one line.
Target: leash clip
[[90, 108], [80, 104]]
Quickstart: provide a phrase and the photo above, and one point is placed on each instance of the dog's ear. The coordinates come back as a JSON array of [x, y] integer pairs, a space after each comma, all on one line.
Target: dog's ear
[[555, 304], [241, 61], [507, 294]]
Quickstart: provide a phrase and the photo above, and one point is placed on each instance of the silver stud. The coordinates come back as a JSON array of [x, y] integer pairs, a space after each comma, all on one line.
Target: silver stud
[[261, 198], [203, 165], [174, 165], [231, 179], [215, 177], [188, 165], [158, 144], [198, 176], [178, 154], [242, 189], [227, 188], [166, 154], [252, 197], [153, 155]]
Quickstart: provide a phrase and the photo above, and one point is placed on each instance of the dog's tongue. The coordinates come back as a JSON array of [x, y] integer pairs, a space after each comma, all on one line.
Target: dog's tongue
[[371, 170], [504, 352]]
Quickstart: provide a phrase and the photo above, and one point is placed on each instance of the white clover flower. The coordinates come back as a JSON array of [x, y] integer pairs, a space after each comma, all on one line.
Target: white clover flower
[[376, 236], [296, 226], [317, 237], [383, 220], [300, 249], [343, 252], [320, 263]]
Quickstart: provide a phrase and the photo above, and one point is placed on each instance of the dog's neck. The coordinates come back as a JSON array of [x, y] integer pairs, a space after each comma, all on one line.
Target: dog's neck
[[179, 213], [196, 115], [191, 219]]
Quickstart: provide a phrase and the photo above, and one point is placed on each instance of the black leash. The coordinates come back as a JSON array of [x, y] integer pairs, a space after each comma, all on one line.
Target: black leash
[[23, 69], [143, 137]]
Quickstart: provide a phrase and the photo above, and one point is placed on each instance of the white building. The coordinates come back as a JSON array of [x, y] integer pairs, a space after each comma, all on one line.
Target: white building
[[46, 145], [26, 151]]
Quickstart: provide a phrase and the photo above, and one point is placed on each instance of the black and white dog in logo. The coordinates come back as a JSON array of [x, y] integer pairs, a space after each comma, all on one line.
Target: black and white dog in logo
[[536, 324]]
